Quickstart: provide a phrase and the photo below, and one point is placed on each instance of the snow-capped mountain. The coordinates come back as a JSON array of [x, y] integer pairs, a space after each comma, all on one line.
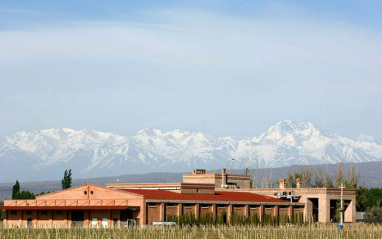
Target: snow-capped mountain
[[45, 154]]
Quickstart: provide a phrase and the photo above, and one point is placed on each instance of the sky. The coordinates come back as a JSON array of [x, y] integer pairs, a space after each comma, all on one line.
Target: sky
[[220, 67]]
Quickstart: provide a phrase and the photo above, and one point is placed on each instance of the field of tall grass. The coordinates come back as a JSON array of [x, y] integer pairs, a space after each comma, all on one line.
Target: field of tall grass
[[356, 231]]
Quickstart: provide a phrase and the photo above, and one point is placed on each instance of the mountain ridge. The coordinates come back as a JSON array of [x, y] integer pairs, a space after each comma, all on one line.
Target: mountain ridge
[[45, 154]]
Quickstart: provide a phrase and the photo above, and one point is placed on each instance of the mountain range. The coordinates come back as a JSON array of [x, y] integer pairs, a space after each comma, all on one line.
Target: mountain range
[[45, 154]]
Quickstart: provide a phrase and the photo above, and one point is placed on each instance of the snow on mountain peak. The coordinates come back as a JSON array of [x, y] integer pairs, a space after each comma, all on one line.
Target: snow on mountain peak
[[95, 153]]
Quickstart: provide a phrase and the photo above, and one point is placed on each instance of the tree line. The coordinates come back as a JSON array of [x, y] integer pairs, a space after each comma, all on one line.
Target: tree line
[[316, 177], [66, 182]]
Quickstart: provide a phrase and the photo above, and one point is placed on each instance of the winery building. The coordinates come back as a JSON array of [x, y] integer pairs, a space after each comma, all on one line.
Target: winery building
[[122, 204]]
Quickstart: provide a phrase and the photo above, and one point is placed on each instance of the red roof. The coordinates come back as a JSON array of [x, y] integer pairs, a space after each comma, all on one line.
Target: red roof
[[224, 196]]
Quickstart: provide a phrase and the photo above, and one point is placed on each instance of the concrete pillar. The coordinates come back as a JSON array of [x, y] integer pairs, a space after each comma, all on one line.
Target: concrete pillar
[[275, 211], [162, 213], [246, 211], [324, 209], [308, 210], [214, 212], [350, 212], [197, 210], [143, 213], [5, 221], [180, 209], [261, 212], [290, 213], [229, 213]]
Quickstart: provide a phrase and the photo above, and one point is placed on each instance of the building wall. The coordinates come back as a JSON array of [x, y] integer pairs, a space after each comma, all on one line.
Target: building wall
[[205, 209], [154, 213], [254, 210], [199, 178], [189, 208], [87, 193], [59, 217], [242, 181], [324, 195], [171, 209], [269, 210], [239, 210]]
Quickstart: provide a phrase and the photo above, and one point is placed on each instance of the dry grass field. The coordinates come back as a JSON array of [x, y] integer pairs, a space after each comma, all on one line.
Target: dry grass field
[[355, 231]]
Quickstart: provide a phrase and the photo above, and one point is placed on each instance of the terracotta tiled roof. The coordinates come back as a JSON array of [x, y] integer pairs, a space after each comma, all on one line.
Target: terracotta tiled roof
[[223, 196]]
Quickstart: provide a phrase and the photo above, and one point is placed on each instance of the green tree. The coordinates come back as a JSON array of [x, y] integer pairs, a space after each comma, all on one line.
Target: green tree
[[16, 190], [26, 195], [66, 182], [368, 198], [1, 211], [16, 194]]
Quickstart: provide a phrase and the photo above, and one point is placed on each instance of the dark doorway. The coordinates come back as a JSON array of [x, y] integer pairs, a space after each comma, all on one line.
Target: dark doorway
[[126, 215], [29, 222], [334, 213], [314, 202], [77, 218]]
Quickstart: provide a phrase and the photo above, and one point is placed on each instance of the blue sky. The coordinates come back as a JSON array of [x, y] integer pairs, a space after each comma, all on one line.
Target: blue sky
[[221, 67]]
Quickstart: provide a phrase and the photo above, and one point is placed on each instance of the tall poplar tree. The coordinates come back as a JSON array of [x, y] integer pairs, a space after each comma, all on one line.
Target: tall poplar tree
[[66, 182], [16, 190]]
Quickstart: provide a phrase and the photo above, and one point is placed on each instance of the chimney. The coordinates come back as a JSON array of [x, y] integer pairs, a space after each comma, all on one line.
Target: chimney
[[224, 176], [298, 182], [282, 183]]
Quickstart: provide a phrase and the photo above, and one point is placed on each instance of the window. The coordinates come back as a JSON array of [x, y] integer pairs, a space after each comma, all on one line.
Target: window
[[13, 212], [28, 212], [44, 212], [91, 192], [59, 212], [85, 192]]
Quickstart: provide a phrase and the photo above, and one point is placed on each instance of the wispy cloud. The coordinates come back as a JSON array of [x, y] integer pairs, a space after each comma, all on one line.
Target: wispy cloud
[[206, 61]]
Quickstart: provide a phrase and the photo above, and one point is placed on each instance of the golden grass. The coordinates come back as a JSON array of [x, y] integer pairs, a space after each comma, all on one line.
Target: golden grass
[[313, 231]]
